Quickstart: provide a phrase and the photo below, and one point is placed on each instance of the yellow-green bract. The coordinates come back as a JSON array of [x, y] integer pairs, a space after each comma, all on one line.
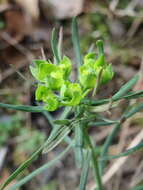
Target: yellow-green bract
[[54, 86], [90, 70]]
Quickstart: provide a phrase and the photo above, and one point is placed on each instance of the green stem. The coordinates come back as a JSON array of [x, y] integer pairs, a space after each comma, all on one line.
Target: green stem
[[94, 160], [97, 82], [79, 145]]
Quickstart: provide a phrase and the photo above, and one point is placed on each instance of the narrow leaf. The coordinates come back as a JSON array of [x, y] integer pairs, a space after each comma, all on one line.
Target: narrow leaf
[[140, 187], [55, 127], [54, 44], [40, 170], [76, 41], [21, 168], [57, 141], [23, 108], [57, 138], [102, 123], [104, 107], [95, 102], [49, 144], [134, 95], [62, 121], [130, 95], [85, 171], [54, 134], [60, 43], [125, 88], [78, 149], [133, 110], [126, 153]]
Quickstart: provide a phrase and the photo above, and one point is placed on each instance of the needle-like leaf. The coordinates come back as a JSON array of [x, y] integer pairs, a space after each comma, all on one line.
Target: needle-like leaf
[[125, 88], [40, 170], [76, 42]]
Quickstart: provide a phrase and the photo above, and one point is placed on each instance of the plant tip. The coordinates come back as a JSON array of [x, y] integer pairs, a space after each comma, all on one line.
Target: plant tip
[[100, 47]]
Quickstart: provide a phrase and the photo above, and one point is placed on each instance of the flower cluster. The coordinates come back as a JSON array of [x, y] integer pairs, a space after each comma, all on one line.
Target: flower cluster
[[55, 88]]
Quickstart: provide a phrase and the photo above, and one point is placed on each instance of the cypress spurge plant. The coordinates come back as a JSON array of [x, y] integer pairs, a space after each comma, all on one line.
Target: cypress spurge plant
[[56, 89]]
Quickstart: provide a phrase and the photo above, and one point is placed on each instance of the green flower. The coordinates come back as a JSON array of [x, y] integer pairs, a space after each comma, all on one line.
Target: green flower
[[100, 62], [52, 103], [107, 74], [48, 97], [91, 68], [42, 92], [71, 94], [55, 79], [48, 73], [36, 70], [87, 77], [66, 66], [89, 60]]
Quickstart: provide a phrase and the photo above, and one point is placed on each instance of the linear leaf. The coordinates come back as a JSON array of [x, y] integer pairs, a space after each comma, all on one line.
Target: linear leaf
[[21, 168], [76, 41], [130, 95], [78, 149], [133, 110], [105, 107], [125, 153], [134, 95], [62, 121], [40, 170], [60, 43], [56, 128], [102, 123], [22, 107], [125, 88], [85, 170], [95, 102], [50, 119], [54, 45], [140, 187], [54, 142]]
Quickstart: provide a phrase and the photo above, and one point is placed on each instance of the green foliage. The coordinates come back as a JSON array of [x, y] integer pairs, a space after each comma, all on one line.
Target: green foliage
[[91, 68], [55, 89], [140, 187], [71, 94]]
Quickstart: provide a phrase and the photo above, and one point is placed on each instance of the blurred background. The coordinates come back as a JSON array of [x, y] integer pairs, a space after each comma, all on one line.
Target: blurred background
[[25, 31]]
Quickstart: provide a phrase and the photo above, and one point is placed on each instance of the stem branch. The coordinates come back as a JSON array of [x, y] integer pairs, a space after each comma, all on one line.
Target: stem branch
[[94, 160]]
